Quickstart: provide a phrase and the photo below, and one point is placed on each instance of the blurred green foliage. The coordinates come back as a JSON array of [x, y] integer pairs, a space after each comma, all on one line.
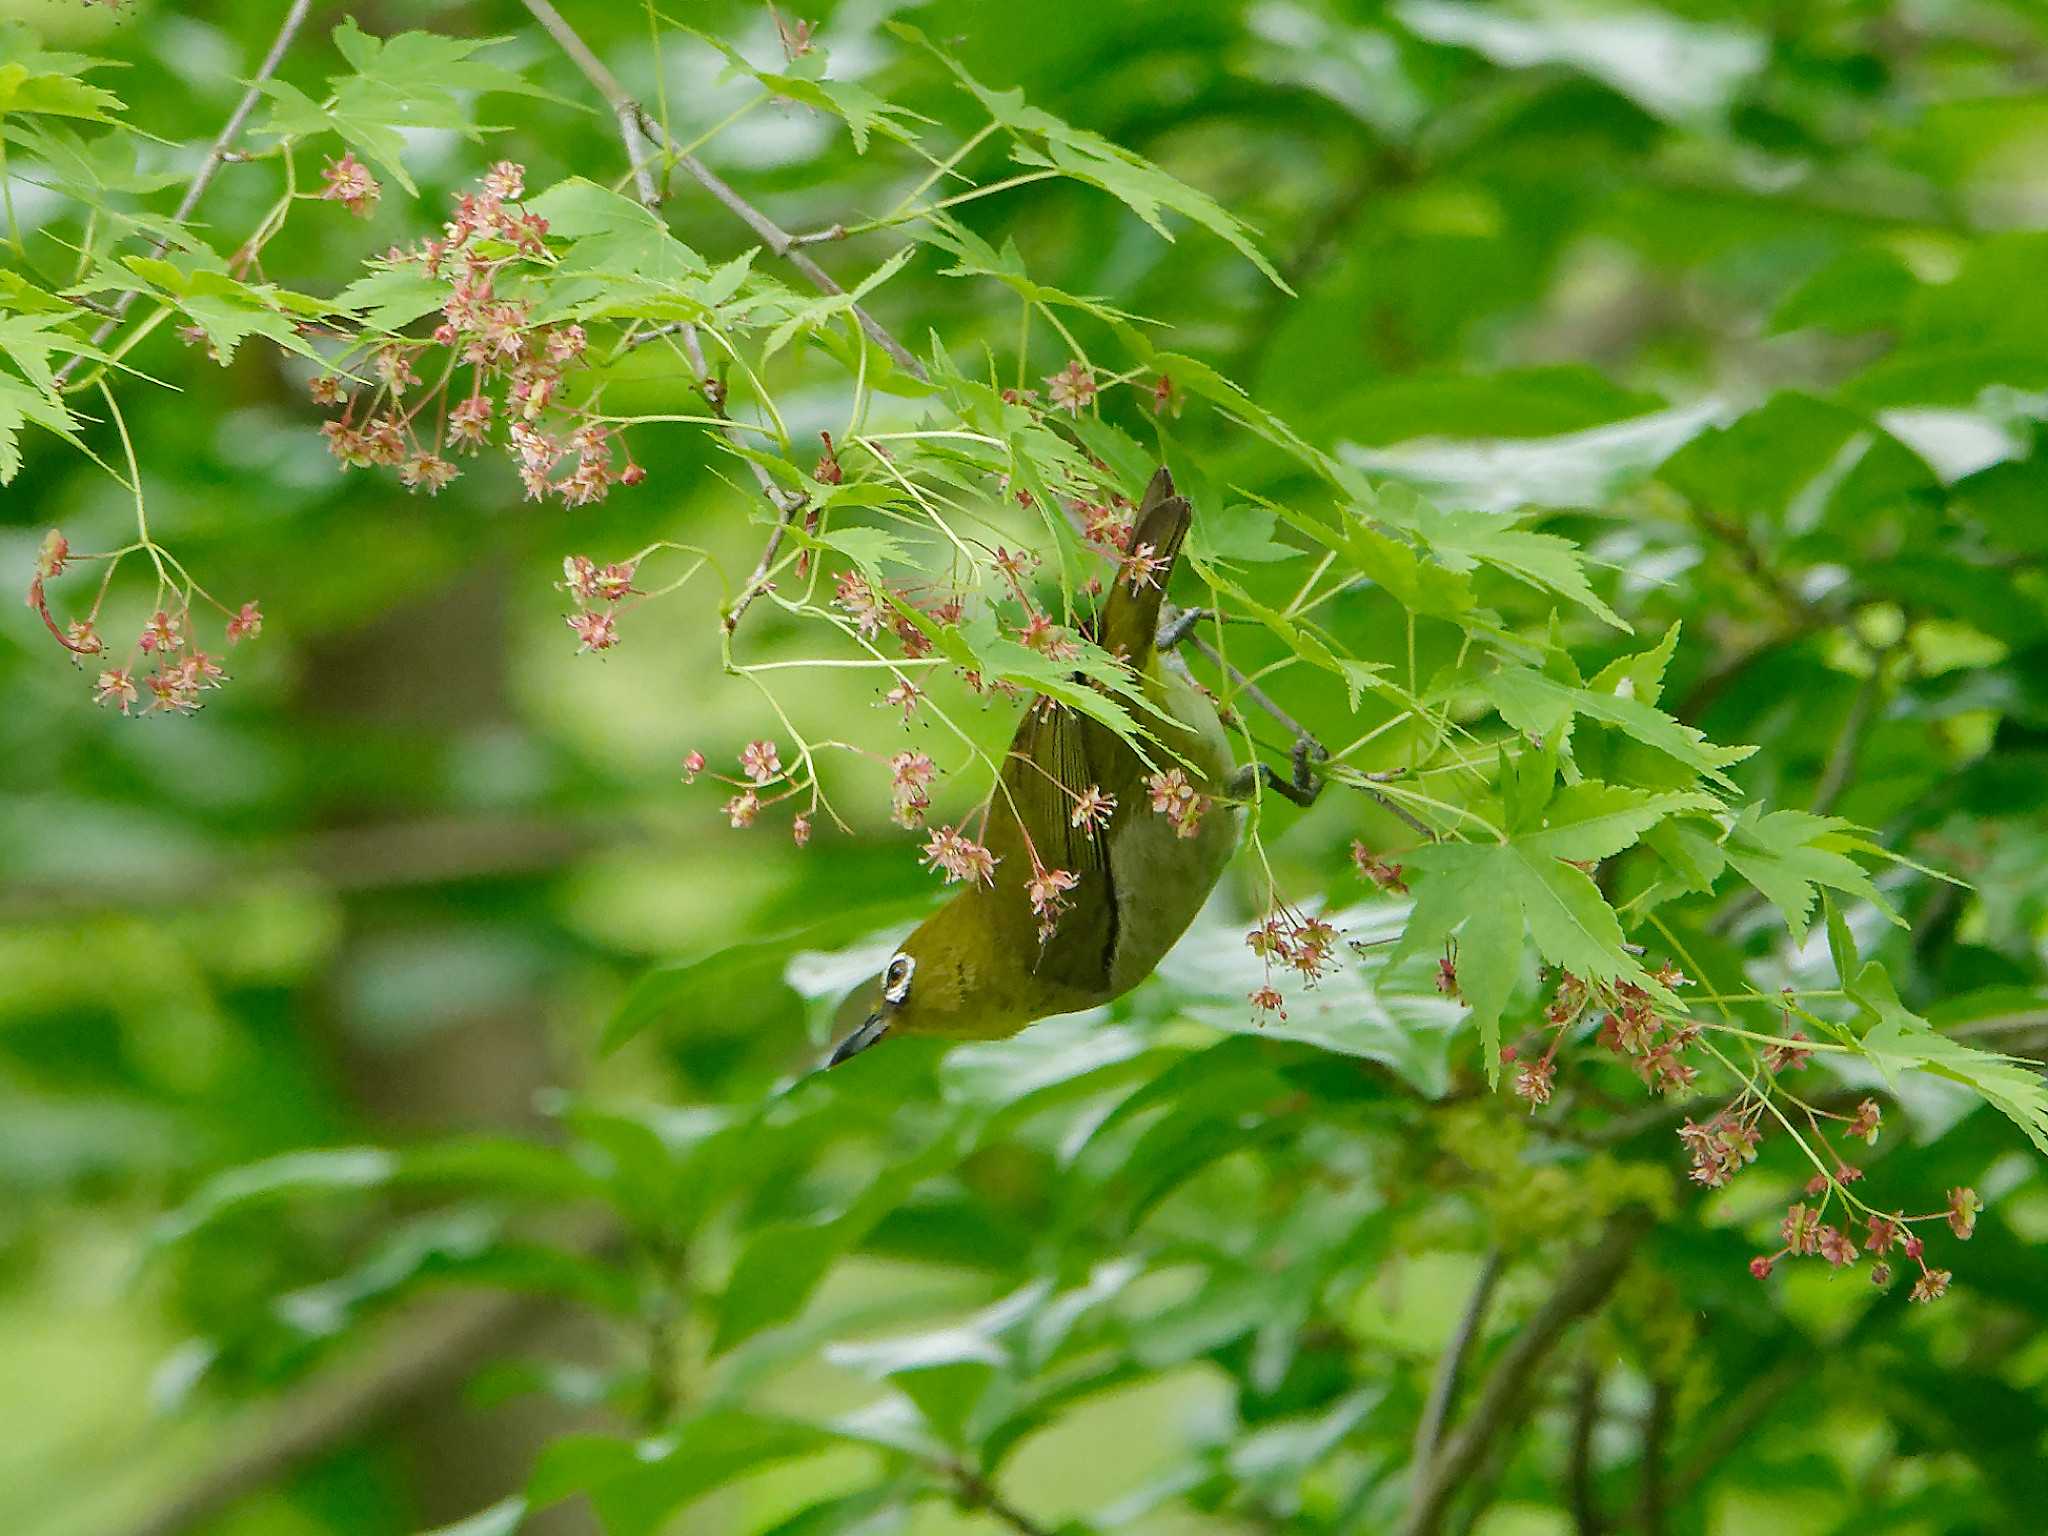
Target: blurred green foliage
[[303, 1110]]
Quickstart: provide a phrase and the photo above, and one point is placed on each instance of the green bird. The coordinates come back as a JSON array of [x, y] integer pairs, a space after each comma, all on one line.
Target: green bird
[[979, 968]]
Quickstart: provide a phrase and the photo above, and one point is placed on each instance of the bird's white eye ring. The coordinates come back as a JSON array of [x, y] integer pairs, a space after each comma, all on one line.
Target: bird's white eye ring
[[896, 980]]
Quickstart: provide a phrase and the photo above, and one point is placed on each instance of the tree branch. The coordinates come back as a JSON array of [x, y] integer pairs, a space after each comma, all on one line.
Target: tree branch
[[787, 504], [203, 177], [1443, 1389], [1585, 1501], [1585, 1284], [770, 234], [405, 854], [1731, 1425], [1651, 1507], [973, 1491], [1841, 763], [432, 1351], [1258, 696]]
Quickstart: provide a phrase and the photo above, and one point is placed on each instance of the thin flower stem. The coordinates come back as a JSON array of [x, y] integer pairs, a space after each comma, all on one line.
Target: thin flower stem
[[913, 437], [679, 583], [912, 215], [857, 413], [1314, 576], [147, 544], [718, 423], [1772, 999], [854, 663], [673, 151], [1074, 348], [944, 168], [1762, 1039], [910, 489]]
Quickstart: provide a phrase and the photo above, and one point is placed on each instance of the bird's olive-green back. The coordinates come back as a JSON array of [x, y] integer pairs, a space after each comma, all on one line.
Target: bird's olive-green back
[[982, 970]]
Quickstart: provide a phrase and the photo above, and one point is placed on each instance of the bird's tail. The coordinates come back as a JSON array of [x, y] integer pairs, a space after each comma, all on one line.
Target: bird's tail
[[1130, 612]]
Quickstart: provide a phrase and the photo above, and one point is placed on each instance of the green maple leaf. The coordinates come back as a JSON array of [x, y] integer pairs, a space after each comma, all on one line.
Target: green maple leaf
[[1465, 540], [1492, 895], [1789, 855], [411, 81], [1543, 703], [1896, 1039], [1042, 140], [804, 81]]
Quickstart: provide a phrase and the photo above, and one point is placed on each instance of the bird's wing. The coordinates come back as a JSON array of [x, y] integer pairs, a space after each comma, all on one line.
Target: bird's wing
[[1050, 756]]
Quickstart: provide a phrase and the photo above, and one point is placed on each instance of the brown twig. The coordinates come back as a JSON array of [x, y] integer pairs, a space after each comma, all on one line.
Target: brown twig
[[638, 155], [770, 234], [203, 177], [1582, 1288], [1443, 1388]]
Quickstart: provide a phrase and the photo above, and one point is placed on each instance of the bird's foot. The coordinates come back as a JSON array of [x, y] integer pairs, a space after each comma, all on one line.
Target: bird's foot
[[1177, 626], [1302, 787]]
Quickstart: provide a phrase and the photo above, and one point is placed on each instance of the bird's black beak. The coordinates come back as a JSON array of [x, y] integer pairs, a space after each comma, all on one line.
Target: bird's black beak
[[873, 1030]]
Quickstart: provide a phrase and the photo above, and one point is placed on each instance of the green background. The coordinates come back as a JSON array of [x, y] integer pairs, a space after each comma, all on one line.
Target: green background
[[1752, 294]]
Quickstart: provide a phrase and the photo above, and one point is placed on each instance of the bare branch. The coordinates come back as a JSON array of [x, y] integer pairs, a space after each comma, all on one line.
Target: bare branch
[[1582, 1288], [770, 234], [203, 177], [638, 155], [1443, 1389]]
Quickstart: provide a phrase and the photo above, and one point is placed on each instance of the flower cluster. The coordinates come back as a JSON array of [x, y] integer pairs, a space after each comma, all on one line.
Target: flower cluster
[[350, 184], [909, 616], [761, 770], [910, 778], [1652, 1045], [1177, 800], [1803, 1233], [598, 590], [165, 669], [1633, 1027], [1383, 873], [960, 858], [1305, 945], [1072, 388], [1141, 567], [516, 368], [1047, 890]]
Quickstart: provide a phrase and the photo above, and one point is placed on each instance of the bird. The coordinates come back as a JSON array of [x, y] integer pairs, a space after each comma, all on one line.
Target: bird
[[981, 967]]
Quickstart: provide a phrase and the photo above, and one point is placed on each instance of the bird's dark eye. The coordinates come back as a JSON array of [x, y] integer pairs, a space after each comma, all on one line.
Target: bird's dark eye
[[896, 980]]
